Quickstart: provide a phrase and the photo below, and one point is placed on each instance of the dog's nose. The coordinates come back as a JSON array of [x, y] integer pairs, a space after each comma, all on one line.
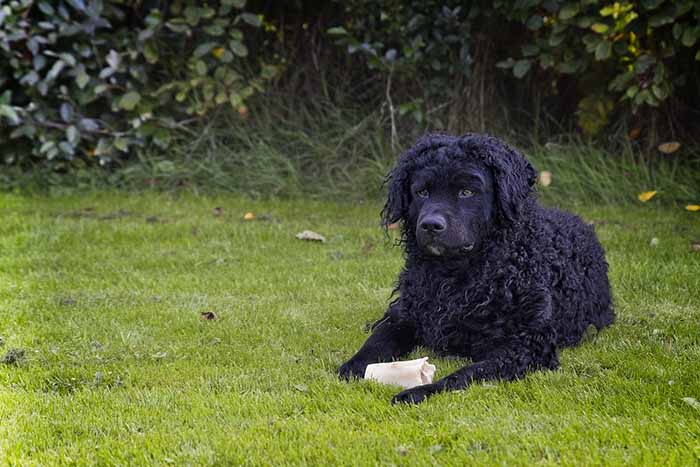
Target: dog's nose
[[433, 223]]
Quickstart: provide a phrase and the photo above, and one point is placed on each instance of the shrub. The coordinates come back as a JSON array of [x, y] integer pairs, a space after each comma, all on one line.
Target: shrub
[[87, 80], [625, 57]]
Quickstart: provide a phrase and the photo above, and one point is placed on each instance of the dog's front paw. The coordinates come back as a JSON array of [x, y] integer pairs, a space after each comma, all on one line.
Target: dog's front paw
[[415, 395], [352, 369]]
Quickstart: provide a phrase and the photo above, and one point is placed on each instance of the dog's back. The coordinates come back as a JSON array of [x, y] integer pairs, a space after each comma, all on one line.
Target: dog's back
[[579, 271]]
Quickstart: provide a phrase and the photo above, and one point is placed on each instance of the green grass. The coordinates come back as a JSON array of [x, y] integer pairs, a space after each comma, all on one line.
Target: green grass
[[121, 369]]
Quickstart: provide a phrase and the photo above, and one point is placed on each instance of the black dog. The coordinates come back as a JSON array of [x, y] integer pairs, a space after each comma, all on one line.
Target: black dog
[[489, 275]]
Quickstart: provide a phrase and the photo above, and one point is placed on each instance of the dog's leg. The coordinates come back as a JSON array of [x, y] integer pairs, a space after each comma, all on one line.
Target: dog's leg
[[509, 362], [390, 339]]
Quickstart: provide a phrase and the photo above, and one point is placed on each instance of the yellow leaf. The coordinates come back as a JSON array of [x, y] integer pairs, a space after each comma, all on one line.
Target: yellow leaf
[[670, 147], [545, 178], [249, 216], [693, 207], [218, 52], [646, 196]]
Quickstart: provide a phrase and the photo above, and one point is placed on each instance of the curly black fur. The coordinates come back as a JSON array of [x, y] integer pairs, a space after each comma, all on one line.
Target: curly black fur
[[535, 280]]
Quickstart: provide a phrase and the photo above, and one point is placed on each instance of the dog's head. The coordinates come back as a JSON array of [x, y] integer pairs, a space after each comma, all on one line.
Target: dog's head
[[452, 192]]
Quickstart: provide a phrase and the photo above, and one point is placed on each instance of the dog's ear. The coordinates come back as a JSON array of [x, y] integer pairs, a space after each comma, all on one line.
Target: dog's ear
[[513, 175], [399, 193]]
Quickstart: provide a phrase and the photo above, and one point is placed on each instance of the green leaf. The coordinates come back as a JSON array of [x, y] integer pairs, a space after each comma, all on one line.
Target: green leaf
[[68, 58], [505, 64], [569, 11], [251, 19], [122, 144], [177, 26], [530, 50], [66, 147], [204, 49], [677, 31], [660, 19], [82, 78], [534, 23], [603, 50], [234, 3], [46, 8], [201, 68], [269, 71], [659, 92], [72, 135], [207, 12], [10, 113], [214, 30], [556, 40], [150, 52], [30, 78], [651, 4], [46, 146], [55, 70], [235, 100], [521, 68], [568, 67], [643, 63], [600, 28], [337, 31], [585, 22], [130, 100], [77, 4], [238, 48], [690, 36], [546, 60]]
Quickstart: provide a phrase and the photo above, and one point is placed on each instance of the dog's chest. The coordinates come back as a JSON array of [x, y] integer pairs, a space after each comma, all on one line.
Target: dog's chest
[[455, 315]]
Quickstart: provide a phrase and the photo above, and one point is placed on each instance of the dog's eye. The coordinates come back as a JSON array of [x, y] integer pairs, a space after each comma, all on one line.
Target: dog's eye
[[423, 193], [466, 193]]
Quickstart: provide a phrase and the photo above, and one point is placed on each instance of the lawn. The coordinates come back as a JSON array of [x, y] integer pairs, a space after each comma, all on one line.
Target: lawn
[[105, 294]]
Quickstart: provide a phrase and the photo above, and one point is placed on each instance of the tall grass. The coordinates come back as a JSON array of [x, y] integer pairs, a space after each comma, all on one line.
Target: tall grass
[[292, 146]]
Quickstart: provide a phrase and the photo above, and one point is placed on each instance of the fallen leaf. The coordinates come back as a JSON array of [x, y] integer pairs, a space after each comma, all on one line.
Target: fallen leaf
[[311, 236], [393, 226], [208, 315], [695, 245], [654, 242], [435, 448], [646, 196], [301, 387], [634, 133], [402, 450], [545, 178], [159, 355], [691, 401], [13, 357], [669, 147], [218, 211], [243, 111], [249, 216], [693, 207]]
